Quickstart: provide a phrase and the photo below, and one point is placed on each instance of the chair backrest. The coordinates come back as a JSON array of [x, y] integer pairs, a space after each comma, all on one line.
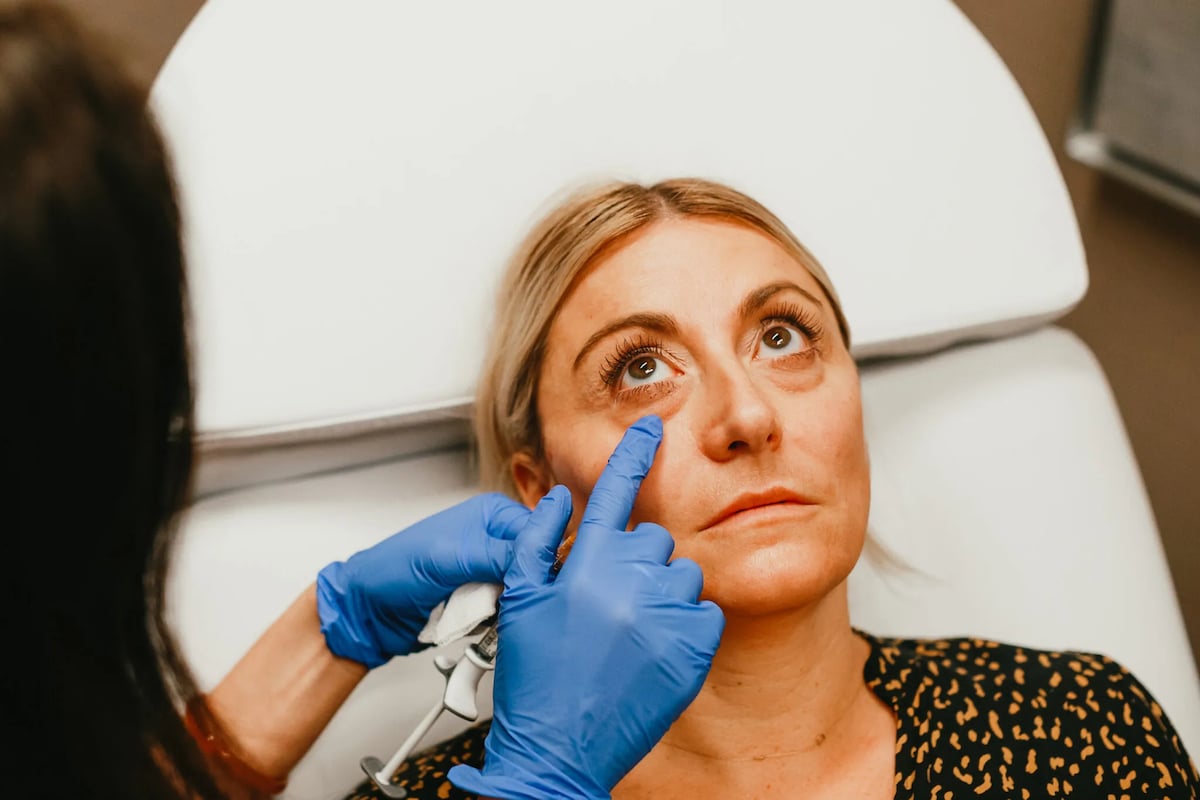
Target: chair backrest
[[338, 161], [354, 176]]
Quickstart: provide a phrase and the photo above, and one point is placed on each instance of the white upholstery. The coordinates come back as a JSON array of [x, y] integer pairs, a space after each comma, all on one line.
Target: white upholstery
[[338, 161], [1002, 472], [354, 176]]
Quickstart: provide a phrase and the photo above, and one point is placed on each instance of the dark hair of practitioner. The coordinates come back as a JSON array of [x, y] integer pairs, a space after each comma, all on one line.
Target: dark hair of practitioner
[[95, 425]]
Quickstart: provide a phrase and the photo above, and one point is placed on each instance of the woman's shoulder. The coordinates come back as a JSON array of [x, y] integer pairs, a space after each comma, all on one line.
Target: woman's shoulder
[[1074, 709], [1016, 677], [1001, 663]]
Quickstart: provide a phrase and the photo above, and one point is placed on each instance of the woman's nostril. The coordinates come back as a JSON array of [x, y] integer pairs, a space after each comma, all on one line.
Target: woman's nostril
[[738, 445]]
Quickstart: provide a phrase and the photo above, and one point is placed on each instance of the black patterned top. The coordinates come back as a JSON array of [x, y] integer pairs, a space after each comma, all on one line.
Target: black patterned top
[[974, 718]]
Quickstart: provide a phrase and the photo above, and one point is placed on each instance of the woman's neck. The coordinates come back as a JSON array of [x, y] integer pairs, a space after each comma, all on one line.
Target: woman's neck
[[780, 685], [785, 713]]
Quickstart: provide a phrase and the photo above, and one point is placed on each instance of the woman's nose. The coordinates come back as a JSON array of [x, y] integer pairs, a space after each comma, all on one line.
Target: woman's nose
[[737, 415]]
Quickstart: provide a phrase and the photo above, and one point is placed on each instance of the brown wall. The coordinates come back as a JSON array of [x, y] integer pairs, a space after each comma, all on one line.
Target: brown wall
[[1141, 316]]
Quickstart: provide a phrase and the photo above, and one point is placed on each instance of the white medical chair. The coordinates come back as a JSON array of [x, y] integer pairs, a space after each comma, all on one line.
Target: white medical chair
[[355, 174]]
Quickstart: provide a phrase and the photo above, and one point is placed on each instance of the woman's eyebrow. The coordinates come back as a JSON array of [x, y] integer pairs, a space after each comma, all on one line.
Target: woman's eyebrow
[[666, 325], [759, 297], [661, 323]]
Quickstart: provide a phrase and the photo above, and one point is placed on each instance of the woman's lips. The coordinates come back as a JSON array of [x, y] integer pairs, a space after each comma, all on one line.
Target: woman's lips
[[762, 507]]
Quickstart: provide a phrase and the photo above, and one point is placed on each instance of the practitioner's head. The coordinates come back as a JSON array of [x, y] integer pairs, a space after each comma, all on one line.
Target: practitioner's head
[[97, 403]]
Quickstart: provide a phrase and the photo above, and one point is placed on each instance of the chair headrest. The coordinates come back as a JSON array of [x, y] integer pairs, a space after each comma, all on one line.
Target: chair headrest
[[354, 177]]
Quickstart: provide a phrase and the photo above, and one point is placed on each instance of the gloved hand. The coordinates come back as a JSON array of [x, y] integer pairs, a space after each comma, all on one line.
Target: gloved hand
[[595, 664], [374, 605]]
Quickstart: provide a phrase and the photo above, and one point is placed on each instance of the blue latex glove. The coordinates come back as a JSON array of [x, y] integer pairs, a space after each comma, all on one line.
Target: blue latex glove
[[374, 605], [595, 664]]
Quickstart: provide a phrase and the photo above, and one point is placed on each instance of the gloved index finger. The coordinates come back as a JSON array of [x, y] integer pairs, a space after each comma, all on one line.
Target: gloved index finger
[[612, 498]]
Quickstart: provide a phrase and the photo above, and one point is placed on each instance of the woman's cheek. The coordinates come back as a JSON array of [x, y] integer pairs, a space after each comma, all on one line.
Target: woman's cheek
[[650, 504], [844, 439], [661, 491], [579, 478]]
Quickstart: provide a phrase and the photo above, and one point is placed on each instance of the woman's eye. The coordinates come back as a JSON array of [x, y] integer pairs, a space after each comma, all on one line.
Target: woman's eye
[[643, 370], [781, 340]]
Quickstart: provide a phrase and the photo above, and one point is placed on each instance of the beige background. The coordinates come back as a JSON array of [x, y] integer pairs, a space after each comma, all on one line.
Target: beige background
[[1141, 316]]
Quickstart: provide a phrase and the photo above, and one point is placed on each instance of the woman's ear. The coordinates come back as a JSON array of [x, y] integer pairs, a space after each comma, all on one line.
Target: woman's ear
[[531, 478]]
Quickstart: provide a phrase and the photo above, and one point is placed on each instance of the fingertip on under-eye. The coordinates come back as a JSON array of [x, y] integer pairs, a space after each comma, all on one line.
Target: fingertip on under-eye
[[650, 424]]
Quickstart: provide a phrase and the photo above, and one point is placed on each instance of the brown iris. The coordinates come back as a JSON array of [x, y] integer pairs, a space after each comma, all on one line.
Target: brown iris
[[777, 338], [642, 368]]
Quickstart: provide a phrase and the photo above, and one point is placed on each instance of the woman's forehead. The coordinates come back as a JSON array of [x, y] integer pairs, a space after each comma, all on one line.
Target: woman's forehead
[[675, 263]]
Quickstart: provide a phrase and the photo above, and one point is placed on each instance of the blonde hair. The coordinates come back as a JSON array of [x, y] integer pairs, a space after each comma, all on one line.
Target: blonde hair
[[542, 273]]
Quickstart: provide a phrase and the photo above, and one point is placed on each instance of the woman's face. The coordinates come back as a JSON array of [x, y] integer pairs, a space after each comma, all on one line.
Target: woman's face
[[762, 476]]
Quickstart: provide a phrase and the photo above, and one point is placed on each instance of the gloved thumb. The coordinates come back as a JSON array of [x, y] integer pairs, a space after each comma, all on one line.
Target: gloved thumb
[[536, 546], [504, 517], [511, 787], [487, 547], [469, 779]]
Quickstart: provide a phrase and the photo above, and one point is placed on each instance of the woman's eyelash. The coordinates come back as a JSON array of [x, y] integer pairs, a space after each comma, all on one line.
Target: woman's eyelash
[[615, 364], [799, 317]]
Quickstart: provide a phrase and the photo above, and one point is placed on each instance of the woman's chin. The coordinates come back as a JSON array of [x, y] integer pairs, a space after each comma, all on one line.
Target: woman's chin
[[774, 578], [762, 604]]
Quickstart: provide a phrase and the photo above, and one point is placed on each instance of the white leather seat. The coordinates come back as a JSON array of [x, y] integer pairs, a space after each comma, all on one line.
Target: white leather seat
[[353, 177]]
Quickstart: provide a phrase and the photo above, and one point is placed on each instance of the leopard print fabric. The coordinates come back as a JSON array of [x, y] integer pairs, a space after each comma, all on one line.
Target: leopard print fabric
[[974, 718], [982, 719]]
